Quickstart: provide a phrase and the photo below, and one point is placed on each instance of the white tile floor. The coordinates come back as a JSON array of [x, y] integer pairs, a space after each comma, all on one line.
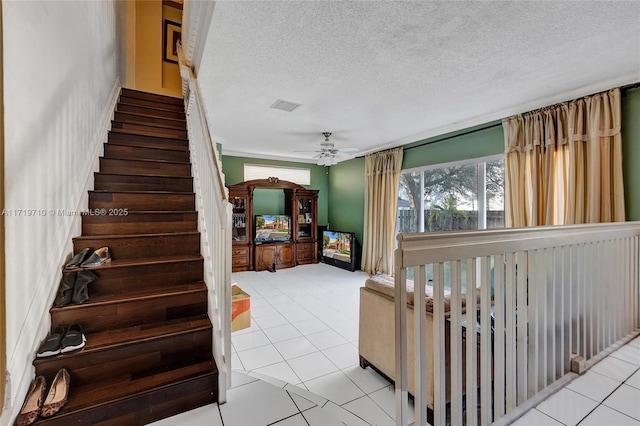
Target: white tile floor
[[303, 343]]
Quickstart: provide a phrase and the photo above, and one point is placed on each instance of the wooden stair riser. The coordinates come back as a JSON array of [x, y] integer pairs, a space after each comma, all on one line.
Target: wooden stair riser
[[143, 247], [128, 117], [140, 276], [123, 137], [140, 201], [123, 183], [132, 93], [152, 104], [144, 223], [97, 318], [146, 110], [133, 358], [141, 407], [139, 153], [151, 130], [141, 167]]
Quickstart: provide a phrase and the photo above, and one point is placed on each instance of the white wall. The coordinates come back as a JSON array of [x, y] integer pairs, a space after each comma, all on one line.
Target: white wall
[[61, 69]]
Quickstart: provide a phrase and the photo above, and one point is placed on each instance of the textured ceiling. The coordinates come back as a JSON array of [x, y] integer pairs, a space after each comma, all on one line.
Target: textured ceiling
[[383, 74]]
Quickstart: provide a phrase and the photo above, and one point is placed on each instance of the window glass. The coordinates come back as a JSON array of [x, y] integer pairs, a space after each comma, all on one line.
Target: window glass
[[453, 197], [292, 174]]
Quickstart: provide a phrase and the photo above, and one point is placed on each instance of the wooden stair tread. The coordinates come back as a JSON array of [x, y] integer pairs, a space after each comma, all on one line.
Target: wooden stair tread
[[104, 340], [126, 91], [143, 294], [168, 120], [124, 138], [148, 160], [107, 392], [153, 212], [159, 104], [125, 236], [150, 128], [140, 262], [154, 112], [138, 177], [106, 191], [143, 133], [163, 148], [159, 126]]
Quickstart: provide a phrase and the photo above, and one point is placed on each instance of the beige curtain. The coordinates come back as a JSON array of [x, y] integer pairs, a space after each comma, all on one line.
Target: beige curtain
[[564, 163], [382, 173]]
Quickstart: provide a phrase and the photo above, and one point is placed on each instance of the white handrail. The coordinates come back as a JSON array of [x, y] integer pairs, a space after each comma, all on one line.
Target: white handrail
[[214, 224], [551, 302]]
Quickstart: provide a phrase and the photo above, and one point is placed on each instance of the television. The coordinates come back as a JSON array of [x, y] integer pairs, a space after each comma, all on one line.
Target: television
[[272, 228], [340, 249]]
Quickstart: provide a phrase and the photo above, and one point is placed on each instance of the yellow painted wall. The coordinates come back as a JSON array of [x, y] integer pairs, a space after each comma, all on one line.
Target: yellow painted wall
[[171, 72], [152, 73]]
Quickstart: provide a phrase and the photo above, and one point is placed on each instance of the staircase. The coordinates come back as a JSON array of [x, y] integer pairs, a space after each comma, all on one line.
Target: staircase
[[149, 340]]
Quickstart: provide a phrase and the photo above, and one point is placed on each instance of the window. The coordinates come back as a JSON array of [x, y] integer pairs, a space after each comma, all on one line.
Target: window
[[292, 174], [465, 195], [450, 197]]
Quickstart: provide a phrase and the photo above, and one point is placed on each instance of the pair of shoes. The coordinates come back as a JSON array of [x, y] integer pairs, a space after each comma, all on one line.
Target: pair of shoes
[[73, 287], [36, 404], [61, 342], [86, 259]]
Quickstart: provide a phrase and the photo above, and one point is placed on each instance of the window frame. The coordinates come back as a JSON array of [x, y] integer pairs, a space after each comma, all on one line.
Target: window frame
[[481, 184]]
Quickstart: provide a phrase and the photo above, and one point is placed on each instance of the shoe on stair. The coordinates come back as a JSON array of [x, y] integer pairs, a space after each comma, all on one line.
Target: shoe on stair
[[80, 290], [32, 403], [52, 343], [65, 291], [58, 394], [97, 258], [77, 260], [73, 339]]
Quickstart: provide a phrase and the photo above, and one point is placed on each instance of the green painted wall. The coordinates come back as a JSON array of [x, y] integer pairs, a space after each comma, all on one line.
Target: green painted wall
[[268, 201], [346, 196], [233, 169], [631, 152], [474, 142]]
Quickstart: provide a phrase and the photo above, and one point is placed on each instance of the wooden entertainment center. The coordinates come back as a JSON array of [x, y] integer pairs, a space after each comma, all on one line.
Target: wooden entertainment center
[[301, 205]]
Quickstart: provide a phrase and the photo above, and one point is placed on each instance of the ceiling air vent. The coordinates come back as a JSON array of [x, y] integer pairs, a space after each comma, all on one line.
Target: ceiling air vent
[[284, 105]]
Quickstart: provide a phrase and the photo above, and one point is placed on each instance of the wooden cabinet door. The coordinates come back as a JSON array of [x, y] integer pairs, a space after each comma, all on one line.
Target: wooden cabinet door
[[285, 255], [265, 257]]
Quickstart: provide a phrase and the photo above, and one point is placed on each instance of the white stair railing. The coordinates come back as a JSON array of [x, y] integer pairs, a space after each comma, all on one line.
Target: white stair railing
[[214, 224], [562, 298]]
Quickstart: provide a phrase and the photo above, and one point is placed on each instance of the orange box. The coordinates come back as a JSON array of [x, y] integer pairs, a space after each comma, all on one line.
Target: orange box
[[240, 308]]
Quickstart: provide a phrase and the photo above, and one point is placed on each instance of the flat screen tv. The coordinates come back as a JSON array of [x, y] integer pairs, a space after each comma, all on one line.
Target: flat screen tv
[[272, 228], [341, 249]]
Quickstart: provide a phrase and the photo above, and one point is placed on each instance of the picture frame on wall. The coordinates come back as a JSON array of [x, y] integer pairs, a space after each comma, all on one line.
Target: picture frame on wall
[[172, 34]]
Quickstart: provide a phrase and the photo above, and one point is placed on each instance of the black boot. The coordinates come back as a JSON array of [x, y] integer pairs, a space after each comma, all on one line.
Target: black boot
[[65, 290], [80, 291]]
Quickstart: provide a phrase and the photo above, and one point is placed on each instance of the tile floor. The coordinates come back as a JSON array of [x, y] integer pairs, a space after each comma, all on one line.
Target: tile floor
[[298, 364]]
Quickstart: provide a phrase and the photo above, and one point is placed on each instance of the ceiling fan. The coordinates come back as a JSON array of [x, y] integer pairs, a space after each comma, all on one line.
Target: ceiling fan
[[327, 153]]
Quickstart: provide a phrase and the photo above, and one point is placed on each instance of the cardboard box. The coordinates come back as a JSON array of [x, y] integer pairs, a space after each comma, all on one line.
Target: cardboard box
[[240, 308]]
